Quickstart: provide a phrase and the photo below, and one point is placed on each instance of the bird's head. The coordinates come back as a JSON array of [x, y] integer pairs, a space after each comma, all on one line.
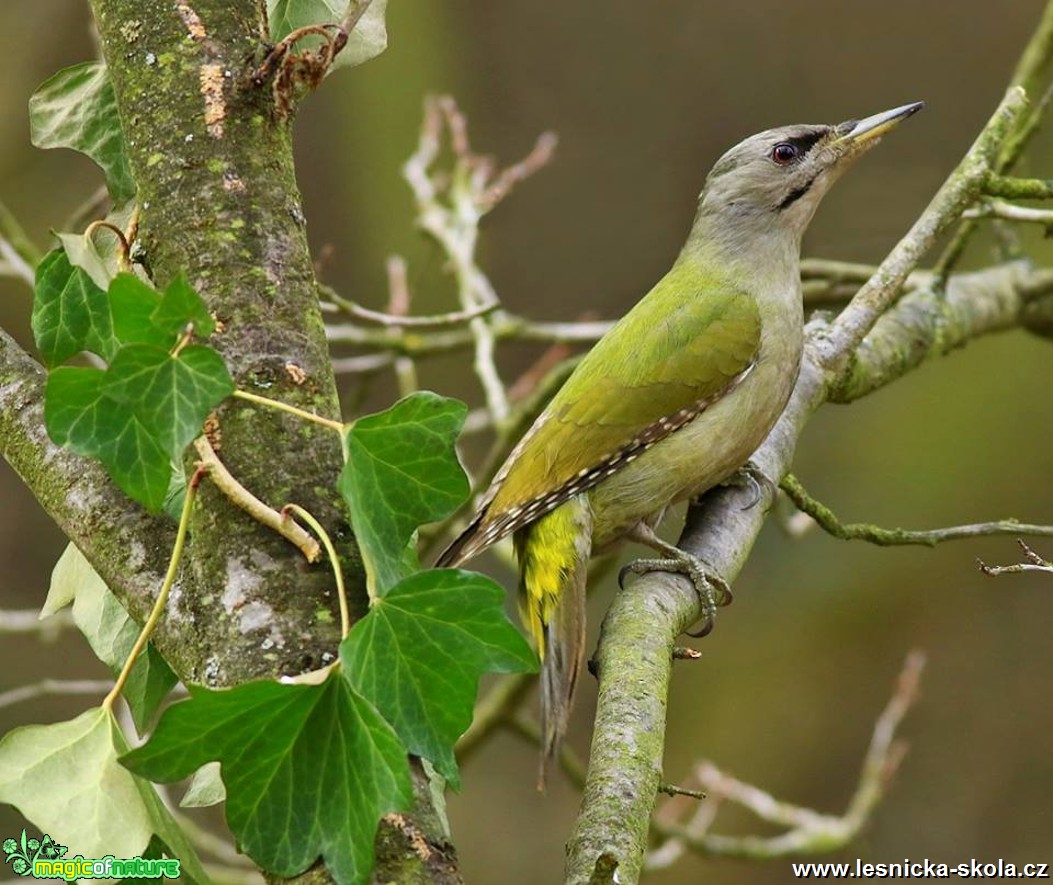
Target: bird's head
[[773, 181]]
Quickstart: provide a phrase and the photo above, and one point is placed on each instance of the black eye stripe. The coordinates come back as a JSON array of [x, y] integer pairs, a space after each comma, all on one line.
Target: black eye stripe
[[794, 148], [805, 143]]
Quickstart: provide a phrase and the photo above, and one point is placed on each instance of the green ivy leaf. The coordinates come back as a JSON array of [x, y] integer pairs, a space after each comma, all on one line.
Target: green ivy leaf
[[309, 769], [79, 416], [76, 414], [138, 416], [180, 304], [402, 471], [133, 304], [366, 41], [137, 462], [66, 779], [76, 108], [419, 653], [171, 395], [70, 312]]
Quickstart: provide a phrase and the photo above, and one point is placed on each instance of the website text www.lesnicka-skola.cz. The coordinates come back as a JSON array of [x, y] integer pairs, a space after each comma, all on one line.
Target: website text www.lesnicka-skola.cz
[[921, 869]]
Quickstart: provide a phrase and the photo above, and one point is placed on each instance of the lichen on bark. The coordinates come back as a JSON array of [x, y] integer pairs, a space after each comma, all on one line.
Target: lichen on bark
[[212, 158]]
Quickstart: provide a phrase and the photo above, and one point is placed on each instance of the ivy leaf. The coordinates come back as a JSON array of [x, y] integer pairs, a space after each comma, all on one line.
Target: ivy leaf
[[180, 304], [76, 414], [171, 395], [138, 464], [79, 416], [70, 312], [133, 304], [66, 779], [110, 632], [402, 471], [76, 108], [82, 253], [138, 416], [420, 651], [366, 41], [309, 769]]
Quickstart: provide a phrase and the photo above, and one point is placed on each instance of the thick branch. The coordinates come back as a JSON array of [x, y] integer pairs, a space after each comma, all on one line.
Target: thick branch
[[926, 324]]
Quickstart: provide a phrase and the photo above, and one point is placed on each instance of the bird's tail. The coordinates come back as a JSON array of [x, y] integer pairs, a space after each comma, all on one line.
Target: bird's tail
[[553, 563]]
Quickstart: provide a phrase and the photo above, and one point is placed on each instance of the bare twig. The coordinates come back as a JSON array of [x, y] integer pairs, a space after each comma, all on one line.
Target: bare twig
[[453, 318], [502, 184], [674, 790], [1010, 212], [808, 830], [1034, 563], [398, 306], [505, 326], [449, 209], [1032, 74], [13, 235], [958, 192], [29, 621], [13, 264], [861, 531]]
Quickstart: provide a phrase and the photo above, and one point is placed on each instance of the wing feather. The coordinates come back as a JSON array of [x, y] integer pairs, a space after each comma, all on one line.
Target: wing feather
[[641, 382]]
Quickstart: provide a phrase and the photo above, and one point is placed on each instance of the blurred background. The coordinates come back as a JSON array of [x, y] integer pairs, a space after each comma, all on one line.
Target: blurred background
[[644, 98]]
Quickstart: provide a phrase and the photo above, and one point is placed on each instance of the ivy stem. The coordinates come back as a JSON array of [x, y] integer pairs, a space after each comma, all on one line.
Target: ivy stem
[[338, 575], [162, 597], [125, 261], [292, 410]]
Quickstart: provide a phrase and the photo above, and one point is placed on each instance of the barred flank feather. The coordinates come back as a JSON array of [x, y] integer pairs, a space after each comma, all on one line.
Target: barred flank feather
[[553, 564]]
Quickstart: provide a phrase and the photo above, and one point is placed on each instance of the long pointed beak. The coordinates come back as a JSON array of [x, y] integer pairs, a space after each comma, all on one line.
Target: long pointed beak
[[855, 133]]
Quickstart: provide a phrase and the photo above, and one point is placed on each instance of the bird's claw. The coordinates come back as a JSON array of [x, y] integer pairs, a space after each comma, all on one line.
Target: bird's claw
[[756, 480], [713, 591]]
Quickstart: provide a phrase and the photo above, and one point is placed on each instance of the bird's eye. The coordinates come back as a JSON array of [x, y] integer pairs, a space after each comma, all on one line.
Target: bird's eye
[[784, 153]]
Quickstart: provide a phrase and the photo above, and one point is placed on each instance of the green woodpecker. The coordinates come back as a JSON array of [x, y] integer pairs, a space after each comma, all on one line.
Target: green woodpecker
[[673, 400]]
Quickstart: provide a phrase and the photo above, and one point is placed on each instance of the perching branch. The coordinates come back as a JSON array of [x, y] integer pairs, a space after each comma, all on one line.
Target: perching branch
[[633, 657]]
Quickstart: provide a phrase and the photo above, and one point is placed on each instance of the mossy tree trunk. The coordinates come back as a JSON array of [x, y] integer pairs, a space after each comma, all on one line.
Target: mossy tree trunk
[[211, 151]]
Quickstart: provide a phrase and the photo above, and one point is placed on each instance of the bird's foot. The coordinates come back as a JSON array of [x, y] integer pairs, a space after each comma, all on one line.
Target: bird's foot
[[750, 476], [713, 591]]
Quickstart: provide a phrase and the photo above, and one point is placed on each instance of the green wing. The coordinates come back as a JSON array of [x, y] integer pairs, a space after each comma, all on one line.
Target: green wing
[[683, 345]]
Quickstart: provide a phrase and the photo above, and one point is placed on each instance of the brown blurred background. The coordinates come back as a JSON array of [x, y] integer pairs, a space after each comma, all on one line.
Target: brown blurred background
[[644, 98]]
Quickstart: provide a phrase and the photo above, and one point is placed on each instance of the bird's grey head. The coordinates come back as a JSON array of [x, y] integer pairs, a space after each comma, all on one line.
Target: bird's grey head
[[772, 182]]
